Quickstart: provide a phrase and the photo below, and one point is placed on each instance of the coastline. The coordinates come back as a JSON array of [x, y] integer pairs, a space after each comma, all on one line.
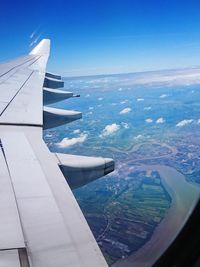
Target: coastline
[[184, 196]]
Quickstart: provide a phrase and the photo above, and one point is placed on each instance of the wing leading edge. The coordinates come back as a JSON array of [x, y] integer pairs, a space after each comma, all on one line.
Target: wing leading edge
[[40, 220]]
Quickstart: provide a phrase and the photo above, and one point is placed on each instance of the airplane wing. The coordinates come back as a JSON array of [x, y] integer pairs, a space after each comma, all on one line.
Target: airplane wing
[[41, 224]]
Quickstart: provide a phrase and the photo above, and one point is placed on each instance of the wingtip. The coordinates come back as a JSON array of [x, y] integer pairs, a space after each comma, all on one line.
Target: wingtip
[[42, 48]]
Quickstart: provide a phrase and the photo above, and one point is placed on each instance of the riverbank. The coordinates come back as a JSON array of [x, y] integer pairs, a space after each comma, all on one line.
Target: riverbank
[[184, 196]]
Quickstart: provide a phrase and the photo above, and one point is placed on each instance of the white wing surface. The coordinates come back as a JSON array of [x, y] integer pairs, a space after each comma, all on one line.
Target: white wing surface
[[41, 224]]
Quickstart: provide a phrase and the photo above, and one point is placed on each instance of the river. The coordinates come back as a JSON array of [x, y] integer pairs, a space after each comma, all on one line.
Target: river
[[184, 196]]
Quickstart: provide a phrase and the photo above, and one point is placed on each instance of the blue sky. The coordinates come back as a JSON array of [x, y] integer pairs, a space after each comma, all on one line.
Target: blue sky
[[99, 36]]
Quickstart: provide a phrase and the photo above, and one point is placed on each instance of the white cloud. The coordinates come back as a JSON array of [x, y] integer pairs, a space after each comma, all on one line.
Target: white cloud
[[66, 142], [139, 136], [100, 98], [184, 122], [124, 101], [149, 120], [77, 131], [147, 108], [163, 96], [110, 129], [120, 89], [48, 135], [140, 99], [88, 95], [125, 110], [91, 108], [160, 120], [198, 121], [125, 125]]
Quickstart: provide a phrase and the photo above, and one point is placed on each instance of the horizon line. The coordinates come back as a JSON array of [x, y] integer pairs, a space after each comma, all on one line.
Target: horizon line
[[134, 72]]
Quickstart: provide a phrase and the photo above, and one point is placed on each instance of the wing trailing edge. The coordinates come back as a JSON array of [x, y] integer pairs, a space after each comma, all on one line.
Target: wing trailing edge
[[80, 170]]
